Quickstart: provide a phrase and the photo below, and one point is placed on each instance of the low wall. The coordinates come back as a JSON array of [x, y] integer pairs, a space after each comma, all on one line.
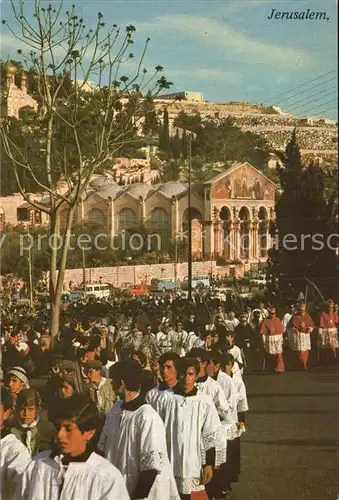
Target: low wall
[[144, 273]]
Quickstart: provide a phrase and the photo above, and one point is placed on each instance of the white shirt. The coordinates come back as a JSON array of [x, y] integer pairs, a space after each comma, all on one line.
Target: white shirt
[[14, 459], [95, 479], [135, 441], [191, 425]]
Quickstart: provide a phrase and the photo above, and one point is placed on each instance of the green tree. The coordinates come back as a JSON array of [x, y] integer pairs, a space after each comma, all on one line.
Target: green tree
[[75, 132], [151, 121], [164, 139], [301, 232]]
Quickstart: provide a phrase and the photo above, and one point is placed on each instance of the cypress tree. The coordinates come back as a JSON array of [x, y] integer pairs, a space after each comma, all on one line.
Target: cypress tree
[[301, 231]]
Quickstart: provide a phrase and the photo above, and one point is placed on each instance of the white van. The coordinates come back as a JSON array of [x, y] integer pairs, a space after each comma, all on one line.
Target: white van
[[98, 290]]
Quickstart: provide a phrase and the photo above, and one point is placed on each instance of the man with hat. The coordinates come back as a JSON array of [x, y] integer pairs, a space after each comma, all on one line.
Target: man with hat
[[300, 328], [101, 389], [17, 380], [327, 333], [272, 331]]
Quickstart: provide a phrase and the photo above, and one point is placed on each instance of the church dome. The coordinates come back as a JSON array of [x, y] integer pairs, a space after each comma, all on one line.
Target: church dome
[[111, 190], [172, 188], [139, 190], [101, 182], [10, 68]]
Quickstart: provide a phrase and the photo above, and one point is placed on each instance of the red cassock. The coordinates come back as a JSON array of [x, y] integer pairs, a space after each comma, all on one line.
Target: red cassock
[[328, 320], [302, 322], [271, 326], [328, 337]]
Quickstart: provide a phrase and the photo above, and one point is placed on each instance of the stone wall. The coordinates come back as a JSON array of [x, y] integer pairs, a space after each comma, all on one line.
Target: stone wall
[[17, 99], [8, 207], [144, 273]]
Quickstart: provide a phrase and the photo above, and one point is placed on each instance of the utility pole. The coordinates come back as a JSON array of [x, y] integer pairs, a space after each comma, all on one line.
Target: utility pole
[[30, 274], [84, 270], [176, 261], [189, 273]]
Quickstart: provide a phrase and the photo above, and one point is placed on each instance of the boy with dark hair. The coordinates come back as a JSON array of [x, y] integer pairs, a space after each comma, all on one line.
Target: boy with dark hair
[[133, 439], [35, 433], [73, 470], [191, 424], [230, 471]]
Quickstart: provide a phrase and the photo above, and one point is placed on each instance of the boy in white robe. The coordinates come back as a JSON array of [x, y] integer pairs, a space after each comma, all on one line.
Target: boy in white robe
[[169, 364], [230, 471], [14, 456], [208, 386], [206, 383], [191, 424], [73, 471], [133, 439], [235, 351]]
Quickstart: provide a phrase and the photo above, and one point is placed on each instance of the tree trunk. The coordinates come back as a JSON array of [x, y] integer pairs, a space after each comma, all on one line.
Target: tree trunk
[[55, 315], [55, 297]]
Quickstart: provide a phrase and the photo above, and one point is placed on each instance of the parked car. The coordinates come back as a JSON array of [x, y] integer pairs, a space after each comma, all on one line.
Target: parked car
[[139, 290], [164, 285], [71, 296]]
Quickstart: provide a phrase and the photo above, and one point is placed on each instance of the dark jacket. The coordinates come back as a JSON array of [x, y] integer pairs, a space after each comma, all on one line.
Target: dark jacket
[[42, 438]]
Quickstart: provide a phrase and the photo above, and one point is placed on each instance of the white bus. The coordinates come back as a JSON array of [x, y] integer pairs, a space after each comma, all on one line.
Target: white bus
[[98, 290]]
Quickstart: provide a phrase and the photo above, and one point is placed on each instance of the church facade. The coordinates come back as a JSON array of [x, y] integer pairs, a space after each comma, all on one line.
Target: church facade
[[231, 213]]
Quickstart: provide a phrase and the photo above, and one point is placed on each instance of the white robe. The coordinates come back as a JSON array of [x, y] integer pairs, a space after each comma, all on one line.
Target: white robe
[[191, 425], [238, 403], [213, 388], [135, 441], [95, 479], [14, 459], [236, 353]]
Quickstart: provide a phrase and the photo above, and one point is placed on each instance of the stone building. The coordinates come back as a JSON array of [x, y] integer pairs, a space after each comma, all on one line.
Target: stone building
[[17, 98], [231, 212]]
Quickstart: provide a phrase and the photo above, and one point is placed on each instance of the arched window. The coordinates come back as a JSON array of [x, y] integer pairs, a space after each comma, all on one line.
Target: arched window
[[244, 216], [126, 219], [161, 224], [96, 215]]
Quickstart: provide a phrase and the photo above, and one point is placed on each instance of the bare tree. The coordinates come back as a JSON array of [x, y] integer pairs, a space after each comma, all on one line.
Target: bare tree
[[80, 126]]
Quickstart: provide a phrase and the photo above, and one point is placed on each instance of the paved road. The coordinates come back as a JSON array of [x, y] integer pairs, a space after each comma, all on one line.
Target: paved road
[[291, 447]]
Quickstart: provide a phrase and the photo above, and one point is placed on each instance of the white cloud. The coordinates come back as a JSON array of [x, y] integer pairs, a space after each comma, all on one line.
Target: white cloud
[[205, 74], [236, 45], [237, 6]]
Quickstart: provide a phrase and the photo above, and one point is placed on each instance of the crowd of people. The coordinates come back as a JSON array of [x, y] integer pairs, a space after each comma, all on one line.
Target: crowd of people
[[141, 398]]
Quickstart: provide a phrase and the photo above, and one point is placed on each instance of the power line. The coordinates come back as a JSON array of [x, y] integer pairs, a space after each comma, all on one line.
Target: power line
[[299, 86], [307, 90], [315, 94], [319, 106], [312, 100], [325, 110]]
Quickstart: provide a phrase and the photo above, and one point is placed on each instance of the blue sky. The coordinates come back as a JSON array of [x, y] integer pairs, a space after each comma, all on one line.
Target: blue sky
[[229, 50]]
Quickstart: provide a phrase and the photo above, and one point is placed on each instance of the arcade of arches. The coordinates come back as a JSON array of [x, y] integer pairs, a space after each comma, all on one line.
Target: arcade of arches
[[231, 213]]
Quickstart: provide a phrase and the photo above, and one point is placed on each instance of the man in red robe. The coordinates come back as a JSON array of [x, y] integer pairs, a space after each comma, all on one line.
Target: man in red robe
[[299, 330], [327, 334], [272, 330]]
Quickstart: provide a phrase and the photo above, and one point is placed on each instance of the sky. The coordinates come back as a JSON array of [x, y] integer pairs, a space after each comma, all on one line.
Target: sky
[[230, 50]]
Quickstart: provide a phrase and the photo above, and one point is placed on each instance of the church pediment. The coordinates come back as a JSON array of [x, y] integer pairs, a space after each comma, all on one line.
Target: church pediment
[[242, 181]]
